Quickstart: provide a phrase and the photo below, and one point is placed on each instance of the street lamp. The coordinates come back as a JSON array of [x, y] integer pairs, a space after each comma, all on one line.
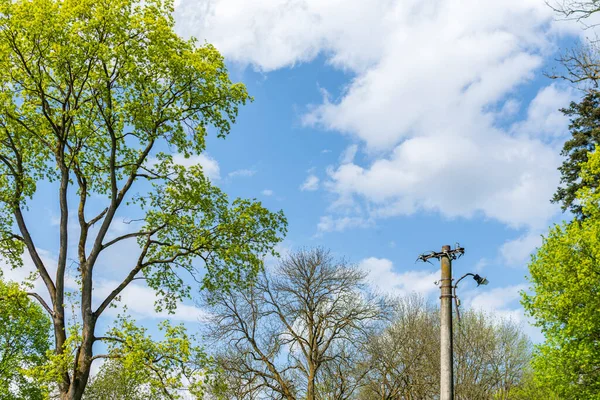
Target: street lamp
[[477, 278], [448, 292], [480, 280]]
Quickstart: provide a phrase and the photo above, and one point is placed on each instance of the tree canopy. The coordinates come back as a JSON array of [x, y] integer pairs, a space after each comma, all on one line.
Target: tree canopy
[[585, 135], [95, 98], [24, 342], [564, 301]]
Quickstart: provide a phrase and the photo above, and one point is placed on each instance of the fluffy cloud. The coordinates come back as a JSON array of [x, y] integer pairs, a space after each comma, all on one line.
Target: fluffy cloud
[[329, 223], [242, 173], [516, 252], [140, 302], [210, 166], [383, 277], [544, 120], [499, 176], [267, 192], [310, 184], [139, 299], [432, 96], [503, 302], [271, 34]]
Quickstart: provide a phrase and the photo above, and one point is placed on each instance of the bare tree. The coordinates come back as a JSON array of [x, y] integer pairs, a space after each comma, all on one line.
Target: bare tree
[[581, 62], [404, 359], [578, 10], [289, 336], [490, 356]]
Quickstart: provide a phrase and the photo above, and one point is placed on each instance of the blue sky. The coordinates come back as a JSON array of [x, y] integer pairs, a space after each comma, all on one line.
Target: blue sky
[[385, 129], [388, 128]]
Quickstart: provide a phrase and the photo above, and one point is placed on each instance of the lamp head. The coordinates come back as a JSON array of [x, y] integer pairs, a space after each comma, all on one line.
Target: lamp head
[[480, 280]]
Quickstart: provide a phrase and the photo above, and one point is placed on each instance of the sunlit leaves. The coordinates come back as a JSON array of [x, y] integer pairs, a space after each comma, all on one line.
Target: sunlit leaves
[[164, 368], [565, 301], [24, 341], [97, 95]]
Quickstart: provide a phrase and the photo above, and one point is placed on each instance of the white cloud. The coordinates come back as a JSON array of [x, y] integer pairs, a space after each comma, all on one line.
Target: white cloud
[[348, 155], [544, 119], [139, 299], [140, 302], [332, 224], [516, 252], [210, 166], [502, 303], [433, 82], [383, 277], [504, 178], [242, 173], [271, 34], [267, 192], [310, 184], [497, 299]]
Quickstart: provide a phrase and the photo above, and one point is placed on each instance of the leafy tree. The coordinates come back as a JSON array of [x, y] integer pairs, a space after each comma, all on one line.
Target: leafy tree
[[142, 368], [95, 96], [565, 282], [585, 131], [115, 382], [24, 342], [530, 388]]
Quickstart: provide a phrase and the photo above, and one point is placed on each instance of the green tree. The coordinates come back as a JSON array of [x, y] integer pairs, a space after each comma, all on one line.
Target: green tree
[[564, 301], [95, 96], [140, 368], [24, 342], [585, 131]]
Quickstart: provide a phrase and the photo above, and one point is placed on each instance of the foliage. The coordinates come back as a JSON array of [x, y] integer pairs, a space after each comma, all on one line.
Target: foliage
[[139, 367], [585, 131], [531, 388], [115, 382], [95, 97], [24, 342], [565, 281]]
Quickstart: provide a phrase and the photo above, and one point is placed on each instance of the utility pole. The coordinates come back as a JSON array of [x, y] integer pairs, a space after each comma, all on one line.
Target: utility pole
[[446, 357], [446, 360]]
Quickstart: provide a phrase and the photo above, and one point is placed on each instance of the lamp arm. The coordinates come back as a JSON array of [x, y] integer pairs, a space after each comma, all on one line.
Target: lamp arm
[[463, 277]]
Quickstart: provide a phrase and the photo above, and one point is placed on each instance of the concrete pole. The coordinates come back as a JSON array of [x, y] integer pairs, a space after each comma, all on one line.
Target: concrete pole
[[446, 365]]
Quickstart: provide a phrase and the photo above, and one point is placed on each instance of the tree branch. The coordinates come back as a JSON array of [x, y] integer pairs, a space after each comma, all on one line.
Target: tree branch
[[42, 302]]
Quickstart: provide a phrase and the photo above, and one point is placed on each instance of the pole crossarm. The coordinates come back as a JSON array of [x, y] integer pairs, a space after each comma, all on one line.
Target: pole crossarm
[[453, 254]]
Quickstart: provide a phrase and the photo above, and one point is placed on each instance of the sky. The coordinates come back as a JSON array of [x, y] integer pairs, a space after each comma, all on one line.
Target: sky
[[388, 128], [385, 129]]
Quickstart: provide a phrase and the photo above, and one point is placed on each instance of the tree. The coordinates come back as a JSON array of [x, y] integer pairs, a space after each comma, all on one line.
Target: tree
[[581, 67], [581, 63], [564, 300], [585, 131], [490, 356], [404, 359], [162, 370], [24, 341], [114, 382], [94, 98], [286, 337]]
